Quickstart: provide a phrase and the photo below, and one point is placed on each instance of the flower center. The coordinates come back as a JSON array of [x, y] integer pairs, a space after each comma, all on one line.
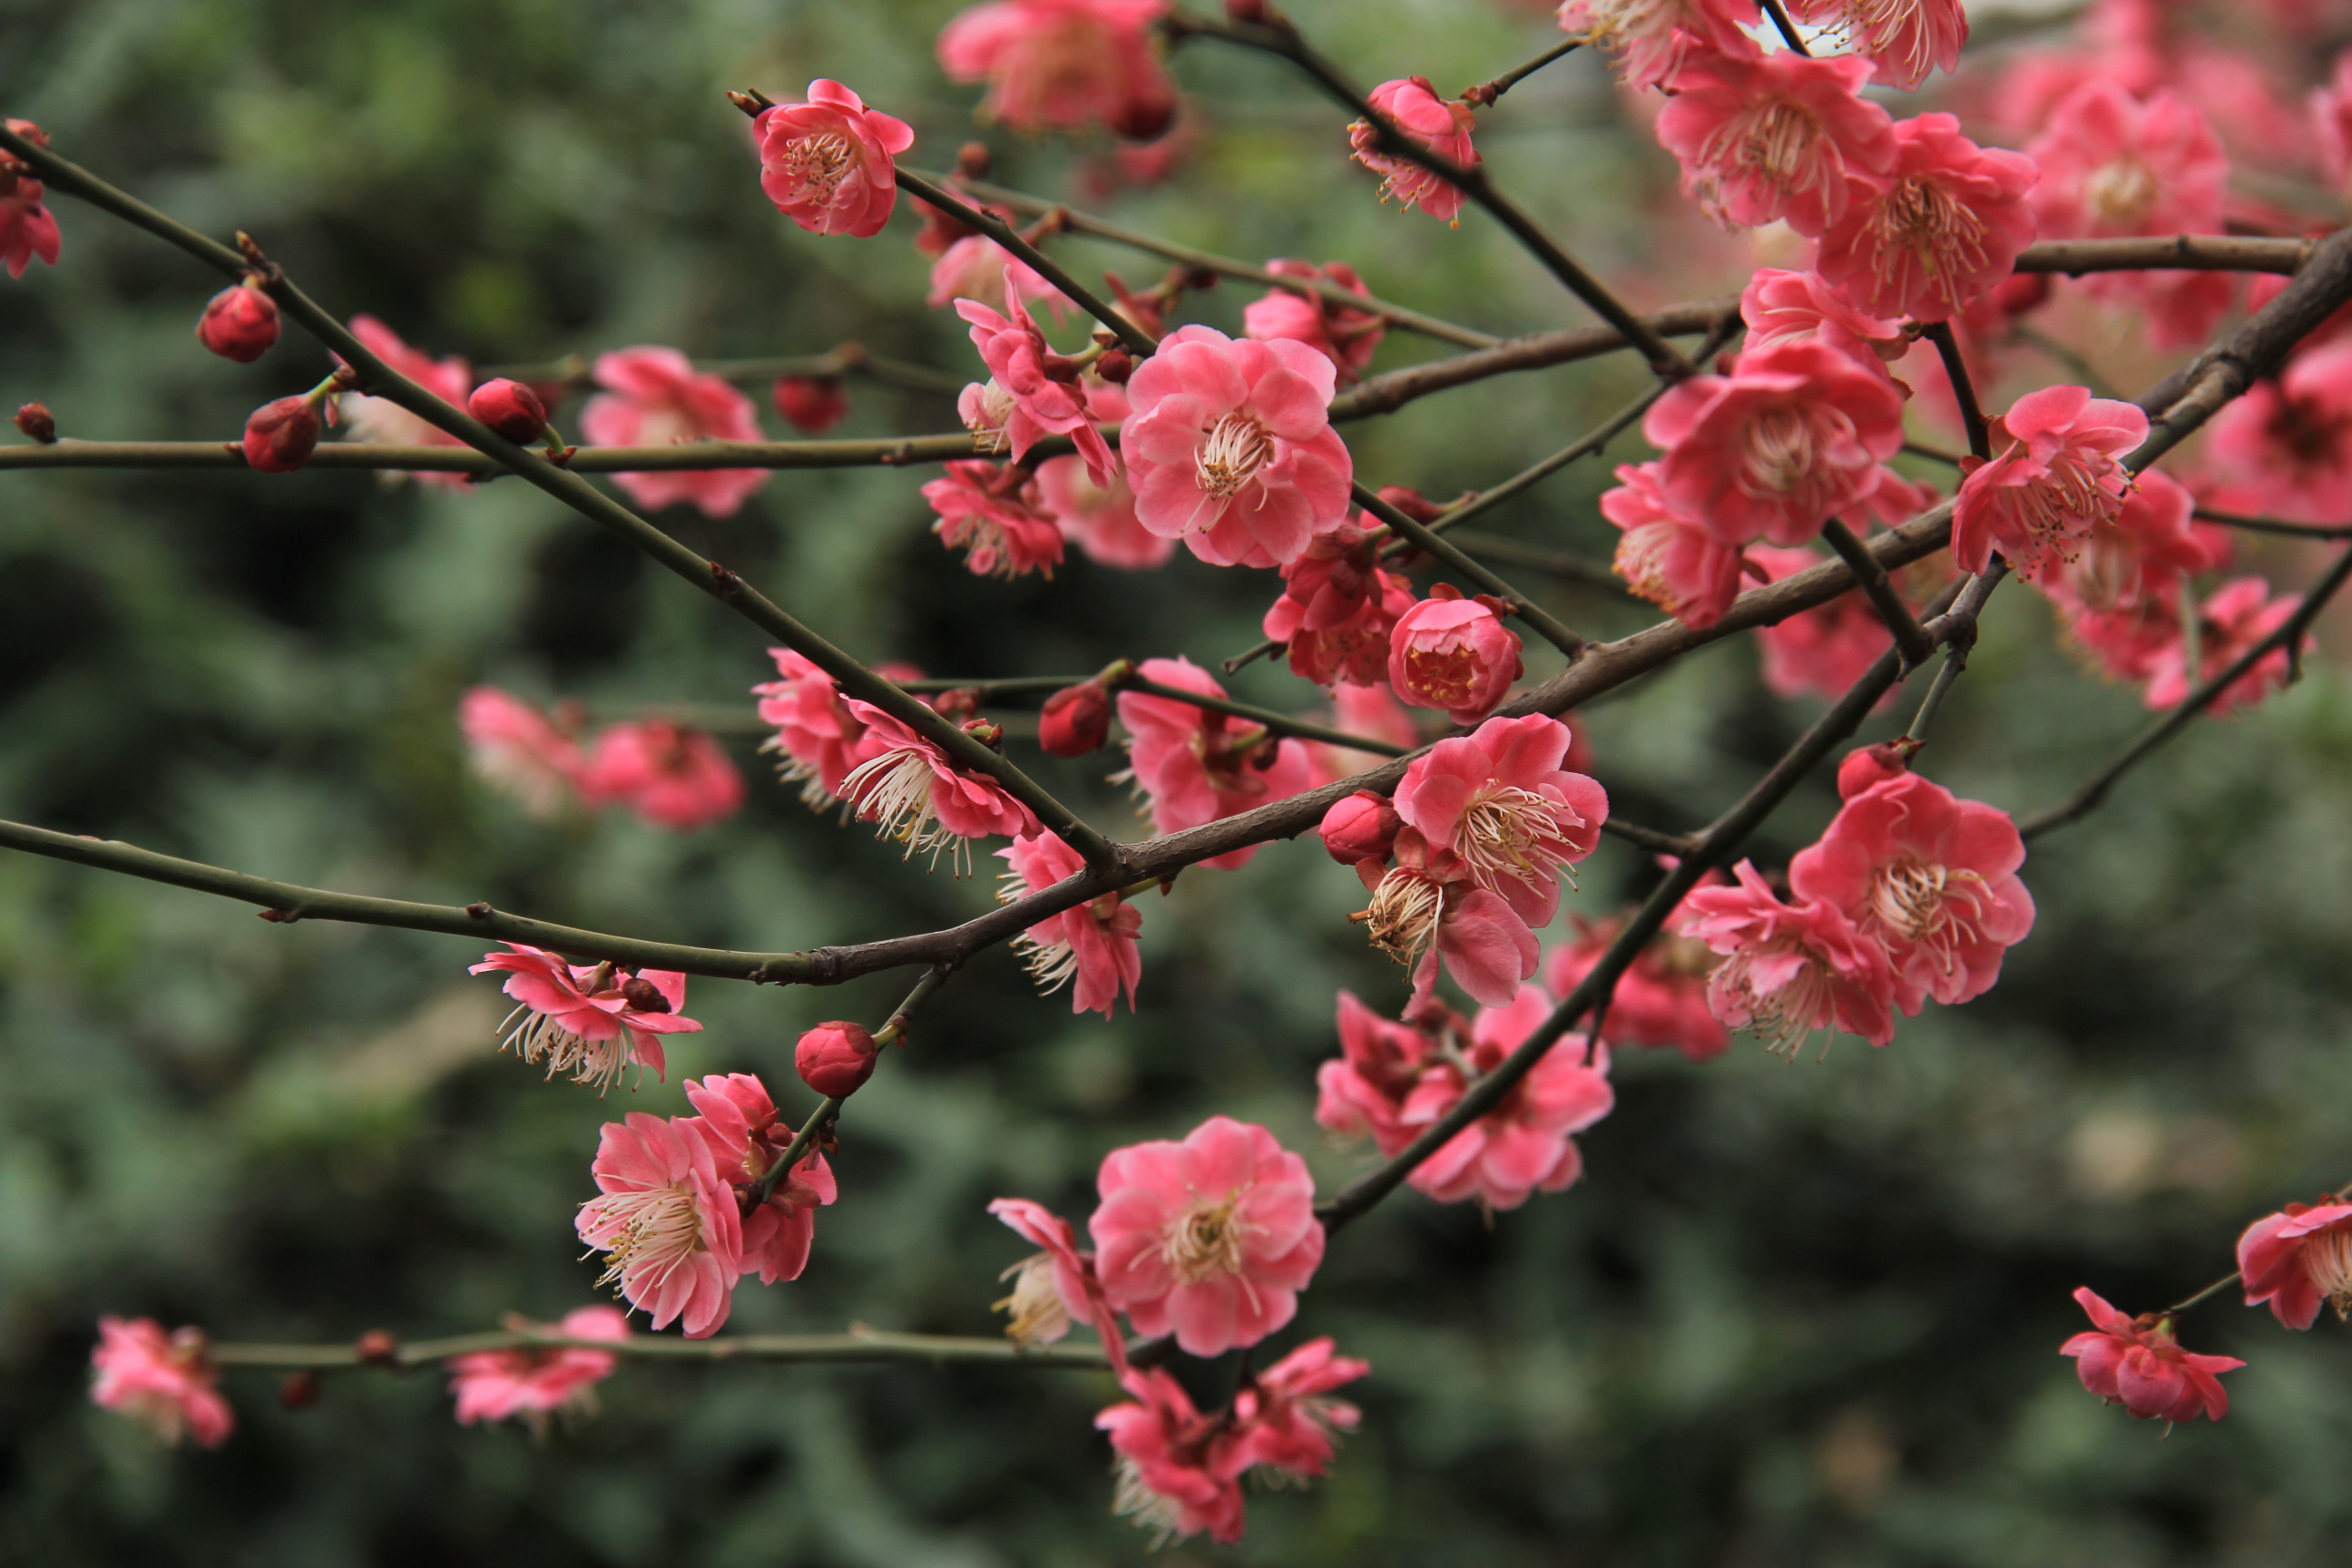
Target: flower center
[[1237, 448], [1506, 832], [662, 425], [893, 791], [1619, 21], [819, 163], [1448, 671], [986, 420], [535, 1037], [2057, 512], [1038, 1314], [1783, 452], [1779, 142], [659, 1229], [1402, 918], [1206, 1240], [1919, 227], [1784, 1014], [1936, 907], [2119, 194]]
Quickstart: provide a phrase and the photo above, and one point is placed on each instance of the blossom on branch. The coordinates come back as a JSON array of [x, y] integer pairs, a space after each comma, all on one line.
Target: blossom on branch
[[2144, 554], [1453, 653], [836, 1057], [1094, 943], [1497, 805], [985, 510], [162, 1381], [1063, 65], [590, 1020], [1902, 39], [2057, 474], [239, 324], [1441, 125], [1661, 1000], [1338, 608], [537, 1384], [1523, 1146], [1427, 914], [812, 405], [654, 398], [2296, 1259], [1099, 520], [737, 1121], [1671, 559], [382, 422], [1823, 651], [1940, 228], [1362, 1093], [2285, 446], [515, 747], [1045, 389], [2230, 622], [667, 1222], [1788, 970], [820, 739], [2135, 1363], [1653, 39], [826, 164], [1777, 306], [1775, 137], [1284, 1417], [672, 776], [912, 793], [1051, 1289], [26, 228], [1347, 337], [1176, 1474], [280, 434], [1198, 766], [976, 268]]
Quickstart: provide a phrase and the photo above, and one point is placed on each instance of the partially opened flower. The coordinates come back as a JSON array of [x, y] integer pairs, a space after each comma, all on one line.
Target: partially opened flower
[[538, 1383], [738, 1120], [1346, 337], [1094, 944], [516, 747], [2057, 474], [1441, 125], [590, 1020], [1284, 1417], [1453, 653], [1053, 1287], [1499, 803], [976, 268], [1045, 389], [910, 789], [382, 422], [1670, 558], [1197, 766], [1523, 1145], [1427, 914], [1361, 1092], [1778, 305], [672, 776], [1063, 65], [654, 398], [1940, 229], [1653, 39], [667, 1222], [1788, 970], [1902, 39], [985, 510], [1337, 609], [1774, 137], [826, 164], [2297, 1258], [1176, 1475], [2231, 622], [2135, 1363], [164, 1381], [820, 739]]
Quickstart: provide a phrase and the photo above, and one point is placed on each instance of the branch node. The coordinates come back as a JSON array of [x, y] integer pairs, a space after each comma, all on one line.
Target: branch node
[[279, 916], [479, 910], [726, 583]]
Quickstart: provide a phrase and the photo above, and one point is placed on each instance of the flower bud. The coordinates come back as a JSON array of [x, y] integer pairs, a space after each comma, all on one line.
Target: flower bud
[[280, 436], [1363, 826], [36, 420], [1115, 365], [300, 1391], [1076, 719], [1412, 502], [240, 323], [1867, 765], [1246, 10], [814, 403], [834, 1058], [510, 409], [377, 1347], [644, 996]]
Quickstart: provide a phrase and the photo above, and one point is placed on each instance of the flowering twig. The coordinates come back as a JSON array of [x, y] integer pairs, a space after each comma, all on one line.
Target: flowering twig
[[1485, 93], [2274, 525], [1275, 723], [1546, 624], [861, 1343], [892, 1030], [1392, 390], [1880, 590], [1964, 391]]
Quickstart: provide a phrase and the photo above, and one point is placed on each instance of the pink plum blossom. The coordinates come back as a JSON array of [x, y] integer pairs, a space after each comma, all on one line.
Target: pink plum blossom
[[1942, 227], [976, 268], [1673, 560], [1453, 653], [2230, 621], [819, 738], [672, 776], [1045, 388], [1497, 804], [1427, 914], [382, 422], [654, 398], [1198, 766], [739, 1122], [2113, 164], [1361, 1092], [1774, 137], [1777, 306], [26, 228], [164, 1381], [1231, 448], [1522, 1146], [1789, 968], [536, 1384], [1094, 943], [1653, 39], [516, 747], [1902, 39], [1063, 65], [1284, 1416], [1054, 1287], [2297, 1258], [1444, 127], [2135, 1363], [1175, 1469], [1338, 608], [1099, 520], [2287, 444], [667, 1222], [1823, 651], [1661, 1000], [986, 510], [1347, 337], [826, 164], [590, 1020], [2142, 554], [910, 789], [2055, 475]]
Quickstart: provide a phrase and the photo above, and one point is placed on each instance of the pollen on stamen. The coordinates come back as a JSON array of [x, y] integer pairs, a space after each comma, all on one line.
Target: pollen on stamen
[[893, 791], [537, 1037]]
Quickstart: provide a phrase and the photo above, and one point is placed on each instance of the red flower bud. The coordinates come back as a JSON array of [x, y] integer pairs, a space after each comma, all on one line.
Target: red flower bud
[[1867, 765], [1246, 10], [1115, 365], [1412, 502], [239, 324], [377, 1347], [1076, 719], [814, 403], [280, 436], [834, 1058], [1363, 826], [510, 409], [36, 420]]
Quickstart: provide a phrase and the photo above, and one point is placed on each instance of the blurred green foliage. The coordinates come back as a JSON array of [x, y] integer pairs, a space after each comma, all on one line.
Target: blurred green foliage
[[1792, 1314]]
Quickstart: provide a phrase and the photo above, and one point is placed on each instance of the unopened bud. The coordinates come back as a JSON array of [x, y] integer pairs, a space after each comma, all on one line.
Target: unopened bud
[[1246, 10], [1115, 365], [1143, 119], [1075, 721], [643, 996], [836, 1059], [279, 436], [300, 1391], [239, 322], [510, 409], [814, 403], [973, 160], [1363, 826], [36, 420], [377, 1347], [1412, 502], [1867, 765]]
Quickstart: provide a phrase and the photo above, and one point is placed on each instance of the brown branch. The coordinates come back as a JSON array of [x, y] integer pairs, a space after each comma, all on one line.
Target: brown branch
[[1880, 590], [1964, 391], [859, 1344], [1137, 342], [362, 456], [1392, 390], [2182, 252], [1564, 565], [851, 359], [894, 1028], [1789, 33]]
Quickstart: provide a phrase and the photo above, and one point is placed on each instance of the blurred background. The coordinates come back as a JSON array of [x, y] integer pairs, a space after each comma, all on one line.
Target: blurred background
[[1792, 1314]]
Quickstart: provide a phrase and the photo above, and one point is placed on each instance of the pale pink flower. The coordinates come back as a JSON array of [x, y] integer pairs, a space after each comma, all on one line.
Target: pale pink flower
[[1210, 1240], [1660, 1000], [1777, 306], [1453, 653], [1101, 520], [2135, 1363], [1522, 1146], [1775, 137], [819, 738], [162, 1381], [514, 746], [1444, 127], [1821, 652], [826, 164], [1063, 65], [1345, 337], [1198, 766], [382, 422], [1051, 1289], [1675, 562], [1048, 397], [738, 1120], [2142, 554], [1176, 1474], [1429, 917], [1902, 39], [1338, 608], [1361, 1092], [1944, 227], [1497, 805], [536, 1384], [1653, 39], [672, 776], [1788, 970], [1283, 1416], [1231, 448], [1094, 943], [2287, 444], [2230, 622], [1794, 435], [985, 510], [976, 268], [910, 791], [654, 398], [27, 230], [2297, 1258], [666, 1220], [590, 1020], [2113, 164], [1931, 877], [2055, 475]]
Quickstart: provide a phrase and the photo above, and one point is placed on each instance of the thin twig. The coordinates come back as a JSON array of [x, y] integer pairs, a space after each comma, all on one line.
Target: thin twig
[[1879, 589], [1562, 564], [1275, 723], [1964, 392], [1789, 33], [893, 1029], [859, 1344], [1484, 94], [1139, 342], [2179, 252], [850, 359], [1546, 624], [2274, 525]]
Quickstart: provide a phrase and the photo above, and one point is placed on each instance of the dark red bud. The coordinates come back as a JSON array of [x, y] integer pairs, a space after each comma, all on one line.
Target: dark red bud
[[377, 1347], [279, 436], [1363, 826], [1115, 365], [1144, 119], [813, 403], [1246, 10], [644, 996], [836, 1059], [958, 703], [510, 409], [300, 1391], [973, 160], [36, 420], [239, 324], [1076, 720]]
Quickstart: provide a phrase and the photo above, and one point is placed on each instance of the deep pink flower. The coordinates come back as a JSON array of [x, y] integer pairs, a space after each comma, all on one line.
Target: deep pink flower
[[1100, 522], [2135, 1363], [819, 737], [1358, 828], [514, 746], [1660, 1001], [1427, 916], [2131, 644], [2287, 444], [985, 510], [1777, 306], [2055, 475], [1931, 877], [2142, 554], [1794, 435], [1788, 970], [737, 1121], [1063, 65], [490, 1385], [387, 422], [1048, 397], [1211, 1239], [2113, 164], [1522, 1146], [1676, 562], [913, 793], [1942, 228], [673, 777], [2230, 622], [1051, 1289], [1175, 1472], [1821, 652], [1074, 721], [27, 230], [1283, 1416], [162, 1381], [590, 1020], [2297, 1258], [666, 1220], [812, 405], [1453, 653], [1497, 804], [240, 323], [1361, 1092], [826, 164], [1198, 766], [1442, 126], [280, 434], [1902, 39], [1338, 608], [1094, 943], [1654, 38], [1345, 337], [1775, 137], [654, 398], [1231, 448]]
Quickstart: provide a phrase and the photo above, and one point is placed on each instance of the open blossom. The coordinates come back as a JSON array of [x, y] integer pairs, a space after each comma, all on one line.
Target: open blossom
[[1661, 1000], [1498, 804], [1794, 435], [2287, 444], [826, 164], [590, 1020], [1063, 65], [515, 746], [1052, 1288], [1210, 1240], [1345, 337], [162, 1381], [1284, 1416], [1931, 877], [1048, 397], [2113, 164], [1231, 448], [1821, 652], [1176, 1471], [2055, 475], [1942, 227], [1099, 519], [976, 268], [2231, 622], [820, 739], [984, 511], [1654, 39], [1524, 1145], [2141, 556], [1442, 126], [1902, 39], [1788, 970], [1673, 560], [654, 398], [1361, 1092], [1094, 943], [385, 423], [27, 230], [1774, 137], [491, 1385], [738, 1120], [1427, 914], [1453, 653], [1778, 305], [667, 1222], [912, 793], [1338, 608], [2135, 1363], [672, 776], [2297, 1258], [1198, 766]]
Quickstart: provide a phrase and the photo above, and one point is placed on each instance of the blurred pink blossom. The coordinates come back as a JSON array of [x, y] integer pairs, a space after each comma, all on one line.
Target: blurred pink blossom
[[654, 398]]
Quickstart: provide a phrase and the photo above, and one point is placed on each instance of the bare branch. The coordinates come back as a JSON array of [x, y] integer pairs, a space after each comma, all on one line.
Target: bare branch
[[859, 1344], [1139, 342], [1880, 590]]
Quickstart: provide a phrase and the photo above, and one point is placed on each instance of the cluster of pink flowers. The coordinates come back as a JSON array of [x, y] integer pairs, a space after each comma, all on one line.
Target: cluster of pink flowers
[[671, 776]]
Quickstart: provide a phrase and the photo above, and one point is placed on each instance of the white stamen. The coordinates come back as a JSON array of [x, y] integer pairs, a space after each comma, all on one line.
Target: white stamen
[[893, 791]]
